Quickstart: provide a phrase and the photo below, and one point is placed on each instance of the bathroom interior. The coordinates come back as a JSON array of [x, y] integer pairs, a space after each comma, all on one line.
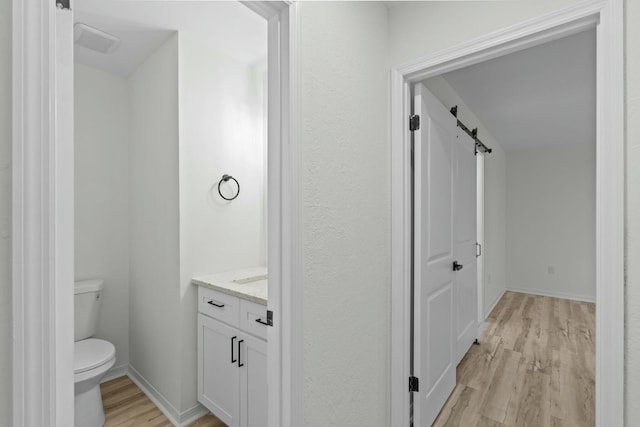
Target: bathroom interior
[[170, 196]]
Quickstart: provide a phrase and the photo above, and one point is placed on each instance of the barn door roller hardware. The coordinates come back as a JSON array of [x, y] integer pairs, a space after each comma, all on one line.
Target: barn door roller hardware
[[473, 133], [63, 4]]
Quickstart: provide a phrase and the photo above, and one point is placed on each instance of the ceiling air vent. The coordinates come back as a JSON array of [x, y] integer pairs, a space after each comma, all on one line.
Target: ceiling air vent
[[94, 39]]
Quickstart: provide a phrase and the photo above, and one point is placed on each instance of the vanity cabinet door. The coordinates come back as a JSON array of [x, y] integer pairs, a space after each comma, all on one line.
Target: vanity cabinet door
[[253, 382], [218, 372]]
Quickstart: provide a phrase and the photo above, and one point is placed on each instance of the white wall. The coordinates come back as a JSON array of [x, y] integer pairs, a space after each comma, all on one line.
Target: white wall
[[551, 198], [221, 132], [346, 212], [5, 214], [495, 196], [102, 198], [154, 238]]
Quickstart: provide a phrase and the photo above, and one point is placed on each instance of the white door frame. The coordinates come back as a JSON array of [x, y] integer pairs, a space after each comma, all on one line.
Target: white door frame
[[608, 16], [284, 340], [43, 227]]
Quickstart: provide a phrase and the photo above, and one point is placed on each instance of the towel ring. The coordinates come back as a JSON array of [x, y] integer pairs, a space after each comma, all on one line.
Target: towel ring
[[226, 178]]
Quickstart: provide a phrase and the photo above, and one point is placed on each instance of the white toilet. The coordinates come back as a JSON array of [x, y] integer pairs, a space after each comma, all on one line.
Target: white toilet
[[93, 357]]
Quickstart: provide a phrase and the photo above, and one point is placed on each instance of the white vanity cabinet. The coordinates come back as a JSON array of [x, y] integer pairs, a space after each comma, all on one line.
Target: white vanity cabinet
[[232, 358]]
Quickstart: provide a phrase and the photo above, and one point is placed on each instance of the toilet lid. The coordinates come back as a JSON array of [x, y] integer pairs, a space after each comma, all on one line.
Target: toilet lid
[[91, 353]]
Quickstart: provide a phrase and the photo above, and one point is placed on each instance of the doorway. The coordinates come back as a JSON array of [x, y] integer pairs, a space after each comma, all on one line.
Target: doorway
[[43, 389], [608, 200]]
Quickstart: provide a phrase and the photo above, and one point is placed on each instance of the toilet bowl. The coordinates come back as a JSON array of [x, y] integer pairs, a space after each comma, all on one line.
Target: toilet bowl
[[92, 357]]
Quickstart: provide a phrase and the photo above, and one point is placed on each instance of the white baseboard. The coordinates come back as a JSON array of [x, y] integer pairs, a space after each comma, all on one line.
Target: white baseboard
[[190, 415], [494, 303], [116, 372], [553, 294], [178, 419], [155, 396]]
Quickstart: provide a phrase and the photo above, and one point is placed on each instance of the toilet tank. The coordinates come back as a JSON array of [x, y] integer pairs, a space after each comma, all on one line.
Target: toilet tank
[[87, 303]]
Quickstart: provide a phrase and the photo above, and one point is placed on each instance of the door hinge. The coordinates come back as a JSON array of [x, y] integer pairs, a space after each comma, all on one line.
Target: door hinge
[[414, 122], [269, 321], [413, 384], [269, 317]]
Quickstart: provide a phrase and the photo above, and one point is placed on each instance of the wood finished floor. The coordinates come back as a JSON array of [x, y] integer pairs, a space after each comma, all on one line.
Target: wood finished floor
[[125, 405], [535, 366]]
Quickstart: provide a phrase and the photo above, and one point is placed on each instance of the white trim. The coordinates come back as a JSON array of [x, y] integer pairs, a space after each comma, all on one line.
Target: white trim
[[42, 250], [284, 340], [553, 294], [493, 305], [190, 415], [155, 396], [292, 349], [176, 418], [400, 252], [610, 169], [608, 16]]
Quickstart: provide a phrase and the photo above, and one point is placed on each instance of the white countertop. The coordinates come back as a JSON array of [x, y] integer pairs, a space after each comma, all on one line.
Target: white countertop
[[253, 290]]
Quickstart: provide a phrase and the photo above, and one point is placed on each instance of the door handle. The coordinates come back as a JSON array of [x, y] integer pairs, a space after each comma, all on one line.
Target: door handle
[[457, 266], [479, 253], [240, 364], [232, 340]]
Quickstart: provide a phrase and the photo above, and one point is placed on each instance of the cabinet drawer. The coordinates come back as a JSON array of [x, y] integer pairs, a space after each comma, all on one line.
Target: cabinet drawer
[[218, 305], [250, 312]]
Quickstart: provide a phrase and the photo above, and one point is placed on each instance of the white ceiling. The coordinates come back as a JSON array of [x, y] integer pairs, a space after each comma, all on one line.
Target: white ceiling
[[541, 96], [226, 26]]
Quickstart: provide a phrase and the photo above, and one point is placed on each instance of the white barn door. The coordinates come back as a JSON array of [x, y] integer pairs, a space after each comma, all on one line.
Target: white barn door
[[464, 231]]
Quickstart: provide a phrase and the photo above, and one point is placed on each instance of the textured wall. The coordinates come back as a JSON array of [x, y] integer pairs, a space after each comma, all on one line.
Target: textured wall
[[495, 195], [346, 213], [5, 214], [154, 349], [221, 131], [551, 220], [632, 336], [102, 198]]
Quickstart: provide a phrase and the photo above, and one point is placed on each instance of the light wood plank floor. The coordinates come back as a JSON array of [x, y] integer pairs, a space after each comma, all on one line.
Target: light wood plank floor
[[535, 366], [125, 405]]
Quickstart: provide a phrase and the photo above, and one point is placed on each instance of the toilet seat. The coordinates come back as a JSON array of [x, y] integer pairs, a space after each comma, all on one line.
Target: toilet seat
[[91, 354]]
